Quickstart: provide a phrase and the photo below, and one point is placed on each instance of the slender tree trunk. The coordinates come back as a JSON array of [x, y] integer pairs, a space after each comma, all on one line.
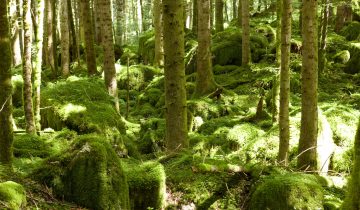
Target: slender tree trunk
[[6, 131], [343, 15], [73, 34], [49, 37], [96, 23], [235, 10], [175, 92], [38, 46], [284, 122], [159, 47], [27, 69], [323, 35], [239, 14], [204, 81], [195, 17], [139, 15], [15, 36], [245, 32], [226, 12], [120, 22], [309, 114], [65, 42], [212, 16], [20, 24], [278, 31], [108, 47], [300, 16], [89, 37], [55, 34], [78, 32], [219, 15]]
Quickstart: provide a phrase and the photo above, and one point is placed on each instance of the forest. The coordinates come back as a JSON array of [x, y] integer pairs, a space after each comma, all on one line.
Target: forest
[[180, 104]]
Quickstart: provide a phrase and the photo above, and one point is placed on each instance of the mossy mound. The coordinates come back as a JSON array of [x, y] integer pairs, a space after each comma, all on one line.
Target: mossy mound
[[80, 104], [139, 77], [336, 43], [12, 196], [342, 57], [30, 146], [353, 66], [288, 191], [152, 135], [226, 47], [89, 173], [147, 186], [352, 31]]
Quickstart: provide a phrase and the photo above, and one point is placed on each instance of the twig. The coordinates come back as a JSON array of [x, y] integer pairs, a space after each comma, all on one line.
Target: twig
[[2, 107]]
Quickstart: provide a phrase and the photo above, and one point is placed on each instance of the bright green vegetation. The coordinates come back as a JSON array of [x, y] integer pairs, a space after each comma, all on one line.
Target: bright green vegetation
[[12, 196], [288, 191]]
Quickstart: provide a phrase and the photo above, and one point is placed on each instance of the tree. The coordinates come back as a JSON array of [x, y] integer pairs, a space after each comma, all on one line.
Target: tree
[[89, 37], [352, 200], [175, 92], [195, 16], [50, 36], [64, 24], [309, 74], [121, 15], [343, 14], [159, 46], [16, 34], [204, 80], [38, 51], [323, 35], [219, 15], [104, 7], [6, 131], [27, 69], [245, 13], [284, 125]]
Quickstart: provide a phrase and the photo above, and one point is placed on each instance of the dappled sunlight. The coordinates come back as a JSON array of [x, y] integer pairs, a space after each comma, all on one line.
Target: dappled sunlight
[[69, 109]]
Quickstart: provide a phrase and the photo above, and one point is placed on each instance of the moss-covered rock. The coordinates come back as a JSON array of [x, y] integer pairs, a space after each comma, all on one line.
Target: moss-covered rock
[[89, 173], [152, 135], [147, 186], [353, 66], [12, 196], [139, 77], [342, 57], [30, 146], [288, 191], [80, 104]]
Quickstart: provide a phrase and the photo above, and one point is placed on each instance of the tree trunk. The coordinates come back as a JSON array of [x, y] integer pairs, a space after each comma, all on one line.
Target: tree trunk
[[120, 22], [65, 42], [205, 83], [39, 16], [195, 17], [352, 200], [175, 92], [245, 32], [284, 122], [343, 15], [27, 69], [323, 34], [6, 131], [239, 20], [235, 10], [212, 14], [96, 23], [89, 37], [73, 34], [49, 37], [139, 15], [309, 114], [219, 15], [15, 36], [159, 48], [20, 25], [278, 31], [104, 7]]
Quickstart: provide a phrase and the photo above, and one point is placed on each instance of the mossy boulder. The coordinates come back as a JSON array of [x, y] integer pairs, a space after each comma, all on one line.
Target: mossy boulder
[[353, 66], [89, 173], [12, 196], [80, 104], [30, 146], [342, 57], [288, 191], [152, 135], [147, 186], [139, 77]]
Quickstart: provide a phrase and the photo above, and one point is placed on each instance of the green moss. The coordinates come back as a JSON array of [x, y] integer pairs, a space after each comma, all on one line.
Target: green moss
[[30, 146], [352, 31], [152, 135], [288, 191], [12, 196], [89, 173], [151, 96], [352, 67], [147, 187], [81, 104], [139, 77], [17, 91], [342, 57], [147, 47]]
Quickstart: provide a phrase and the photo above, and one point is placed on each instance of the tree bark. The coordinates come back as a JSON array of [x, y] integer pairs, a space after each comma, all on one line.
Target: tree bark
[[15, 36], [219, 15], [73, 34], [278, 31], [49, 37], [195, 17], [120, 22], [175, 92], [65, 39], [139, 15], [309, 114], [205, 83], [235, 10], [104, 7], [284, 122], [159, 47], [39, 17], [27, 69], [20, 25], [89, 37], [343, 15], [323, 34], [6, 131], [245, 32]]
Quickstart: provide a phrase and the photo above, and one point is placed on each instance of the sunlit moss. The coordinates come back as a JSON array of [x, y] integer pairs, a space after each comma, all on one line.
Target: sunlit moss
[[12, 196]]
